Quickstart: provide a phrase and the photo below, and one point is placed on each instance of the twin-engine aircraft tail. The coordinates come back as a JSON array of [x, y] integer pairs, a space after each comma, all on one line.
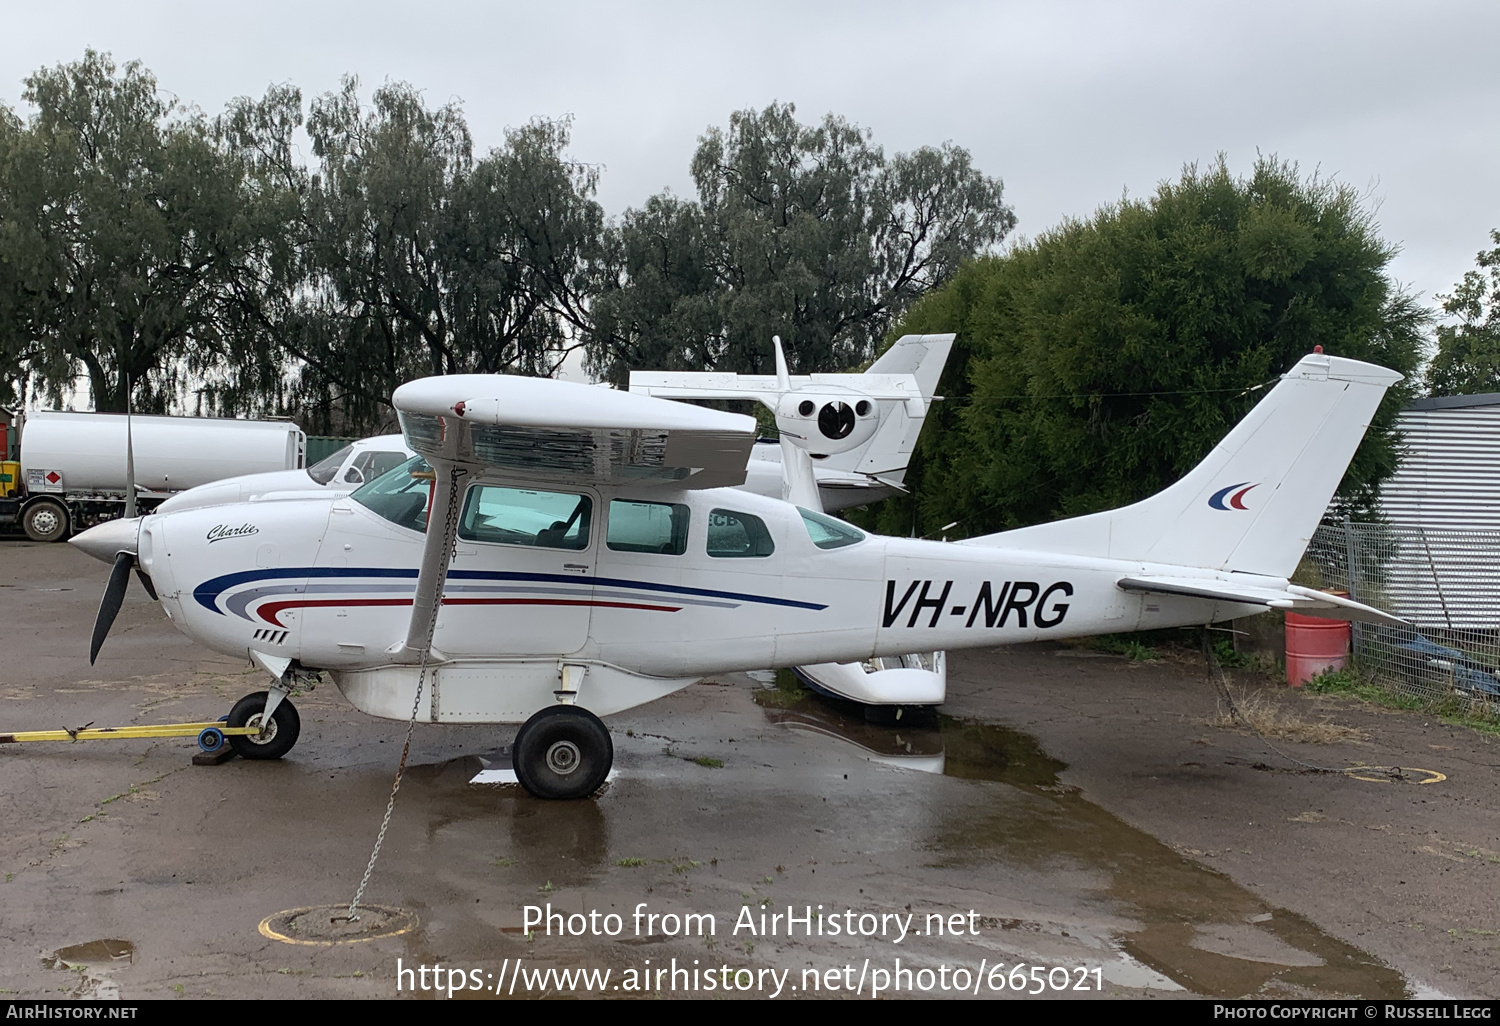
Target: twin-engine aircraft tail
[[1252, 505]]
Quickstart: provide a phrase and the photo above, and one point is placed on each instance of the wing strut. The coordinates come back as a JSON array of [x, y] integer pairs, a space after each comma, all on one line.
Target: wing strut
[[437, 556]]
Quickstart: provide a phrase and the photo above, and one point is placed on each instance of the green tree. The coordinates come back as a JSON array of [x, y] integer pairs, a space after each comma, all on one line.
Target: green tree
[[808, 232], [421, 260], [1467, 360], [118, 213], [1101, 361]]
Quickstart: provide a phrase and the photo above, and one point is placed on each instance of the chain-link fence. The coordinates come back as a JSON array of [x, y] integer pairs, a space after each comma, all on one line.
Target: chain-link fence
[[1447, 583]]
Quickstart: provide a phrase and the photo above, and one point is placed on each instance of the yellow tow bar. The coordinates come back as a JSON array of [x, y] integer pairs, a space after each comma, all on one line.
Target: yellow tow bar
[[210, 735]]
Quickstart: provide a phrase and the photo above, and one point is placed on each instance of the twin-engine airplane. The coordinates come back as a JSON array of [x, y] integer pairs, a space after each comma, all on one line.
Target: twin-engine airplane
[[560, 552]]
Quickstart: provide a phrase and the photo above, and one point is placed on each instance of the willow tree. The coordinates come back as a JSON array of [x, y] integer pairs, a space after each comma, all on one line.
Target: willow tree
[[119, 214]]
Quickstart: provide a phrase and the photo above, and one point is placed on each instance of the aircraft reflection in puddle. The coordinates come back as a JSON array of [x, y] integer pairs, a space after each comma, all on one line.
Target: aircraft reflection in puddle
[[1196, 927], [917, 747]]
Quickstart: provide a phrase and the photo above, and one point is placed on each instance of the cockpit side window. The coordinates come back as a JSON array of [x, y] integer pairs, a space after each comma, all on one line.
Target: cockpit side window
[[734, 535], [370, 464], [400, 495], [526, 516]]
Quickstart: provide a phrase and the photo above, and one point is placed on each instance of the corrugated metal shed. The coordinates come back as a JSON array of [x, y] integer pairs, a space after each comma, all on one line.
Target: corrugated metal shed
[[1442, 548], [1450, 474]]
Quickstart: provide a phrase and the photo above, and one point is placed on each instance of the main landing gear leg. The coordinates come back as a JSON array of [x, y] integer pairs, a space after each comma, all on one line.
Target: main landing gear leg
[[564, 751]]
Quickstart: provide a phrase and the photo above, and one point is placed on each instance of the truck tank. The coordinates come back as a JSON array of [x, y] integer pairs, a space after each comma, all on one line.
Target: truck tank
[[77, 453]]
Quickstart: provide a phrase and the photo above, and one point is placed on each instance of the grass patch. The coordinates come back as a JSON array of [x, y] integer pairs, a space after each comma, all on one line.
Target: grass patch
[[1124, 645], [787, 691], [1452, 710], [630, 863], [1270, 719], [1228, 658], [708, 761]]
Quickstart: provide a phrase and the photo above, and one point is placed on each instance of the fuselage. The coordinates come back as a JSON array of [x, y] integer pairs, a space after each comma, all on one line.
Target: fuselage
[[662, 583]]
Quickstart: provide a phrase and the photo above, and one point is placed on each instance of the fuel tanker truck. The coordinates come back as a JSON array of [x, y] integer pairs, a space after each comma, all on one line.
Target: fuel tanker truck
[[73, 466]]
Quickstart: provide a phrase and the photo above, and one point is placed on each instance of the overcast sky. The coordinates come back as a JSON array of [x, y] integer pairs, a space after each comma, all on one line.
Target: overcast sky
[[1071, 104]]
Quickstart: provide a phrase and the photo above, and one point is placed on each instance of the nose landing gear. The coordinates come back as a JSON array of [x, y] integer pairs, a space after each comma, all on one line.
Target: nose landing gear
[[275, 736], [562, 752]]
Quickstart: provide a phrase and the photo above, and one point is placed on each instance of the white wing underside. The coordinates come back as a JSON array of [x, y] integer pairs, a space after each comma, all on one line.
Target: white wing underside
[[538, 428]]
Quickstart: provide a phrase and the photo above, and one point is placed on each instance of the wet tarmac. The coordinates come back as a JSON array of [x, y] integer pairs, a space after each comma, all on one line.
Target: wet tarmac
[[733, 800]]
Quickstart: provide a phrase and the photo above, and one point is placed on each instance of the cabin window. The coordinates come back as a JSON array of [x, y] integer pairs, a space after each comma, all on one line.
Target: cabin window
[[525, 516], [828, 533], [660, 527], [401, 495], [733, 535]]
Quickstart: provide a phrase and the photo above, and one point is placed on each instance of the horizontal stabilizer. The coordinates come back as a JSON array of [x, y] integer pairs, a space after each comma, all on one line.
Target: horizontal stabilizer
[[1263, 592]]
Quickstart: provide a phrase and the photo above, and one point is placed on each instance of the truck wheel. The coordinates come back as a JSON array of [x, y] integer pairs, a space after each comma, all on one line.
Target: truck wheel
[[45, 521]]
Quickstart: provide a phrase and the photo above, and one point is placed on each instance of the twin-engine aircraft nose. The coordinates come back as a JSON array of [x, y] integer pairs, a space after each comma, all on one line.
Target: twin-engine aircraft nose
[[107, 540]]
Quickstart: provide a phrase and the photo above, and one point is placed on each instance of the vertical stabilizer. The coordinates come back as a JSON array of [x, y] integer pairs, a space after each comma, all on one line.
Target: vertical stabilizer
[[1253, 504]]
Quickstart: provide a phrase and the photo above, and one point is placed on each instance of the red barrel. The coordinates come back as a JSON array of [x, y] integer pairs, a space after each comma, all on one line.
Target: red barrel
[[1314, 645]]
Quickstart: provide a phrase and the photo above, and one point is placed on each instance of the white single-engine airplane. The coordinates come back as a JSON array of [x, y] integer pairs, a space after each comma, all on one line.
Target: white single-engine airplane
[[573, 552]]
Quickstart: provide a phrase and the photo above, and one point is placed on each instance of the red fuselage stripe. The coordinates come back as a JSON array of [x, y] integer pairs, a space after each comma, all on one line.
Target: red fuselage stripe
[[271, 610]]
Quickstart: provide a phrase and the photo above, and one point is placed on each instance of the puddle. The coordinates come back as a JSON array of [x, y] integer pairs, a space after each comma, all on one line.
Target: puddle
[[92, 962], [566, 843], [1196, 927], [94, 954]]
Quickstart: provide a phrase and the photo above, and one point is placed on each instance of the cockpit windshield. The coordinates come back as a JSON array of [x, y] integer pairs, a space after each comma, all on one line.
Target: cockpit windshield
[[400, 495], [828, 533], [323, 470]]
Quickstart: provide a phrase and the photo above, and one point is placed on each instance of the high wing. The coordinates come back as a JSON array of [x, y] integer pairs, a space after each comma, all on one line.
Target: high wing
[[538, 429], [1263, 592], [541, 428]]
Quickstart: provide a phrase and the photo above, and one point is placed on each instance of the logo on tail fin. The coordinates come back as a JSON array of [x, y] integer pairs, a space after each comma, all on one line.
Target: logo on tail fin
[[1236, 501]]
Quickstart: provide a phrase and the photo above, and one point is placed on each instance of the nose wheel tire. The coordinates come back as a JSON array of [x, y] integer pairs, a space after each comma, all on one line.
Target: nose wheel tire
[[562, 752], [274, 739]]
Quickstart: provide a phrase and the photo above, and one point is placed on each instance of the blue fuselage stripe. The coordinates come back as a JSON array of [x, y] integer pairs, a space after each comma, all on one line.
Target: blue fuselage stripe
[[208, 592]]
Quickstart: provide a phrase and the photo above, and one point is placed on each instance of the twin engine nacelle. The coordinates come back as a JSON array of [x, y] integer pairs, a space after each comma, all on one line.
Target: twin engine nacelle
[[827, 419]]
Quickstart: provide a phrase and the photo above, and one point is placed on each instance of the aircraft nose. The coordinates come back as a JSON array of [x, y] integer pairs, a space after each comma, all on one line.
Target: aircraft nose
[[109, 539]]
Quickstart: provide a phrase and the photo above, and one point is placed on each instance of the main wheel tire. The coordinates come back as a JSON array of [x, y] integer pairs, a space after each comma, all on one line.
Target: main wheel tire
[[273, 742], [562, 752], [45, 521]]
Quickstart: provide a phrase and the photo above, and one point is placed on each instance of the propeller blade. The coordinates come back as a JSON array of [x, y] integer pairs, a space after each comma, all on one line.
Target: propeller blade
[[109, 605], [145, 580], [129, 459]]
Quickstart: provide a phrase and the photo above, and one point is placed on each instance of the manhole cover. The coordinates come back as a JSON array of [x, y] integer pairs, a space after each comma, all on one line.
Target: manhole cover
[[1395, 774], [328, 924]]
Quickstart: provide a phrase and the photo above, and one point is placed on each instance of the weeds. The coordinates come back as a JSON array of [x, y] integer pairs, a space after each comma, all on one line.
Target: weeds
[[630, 863], [1266, 716], [1124, 645], [1451, 710]]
